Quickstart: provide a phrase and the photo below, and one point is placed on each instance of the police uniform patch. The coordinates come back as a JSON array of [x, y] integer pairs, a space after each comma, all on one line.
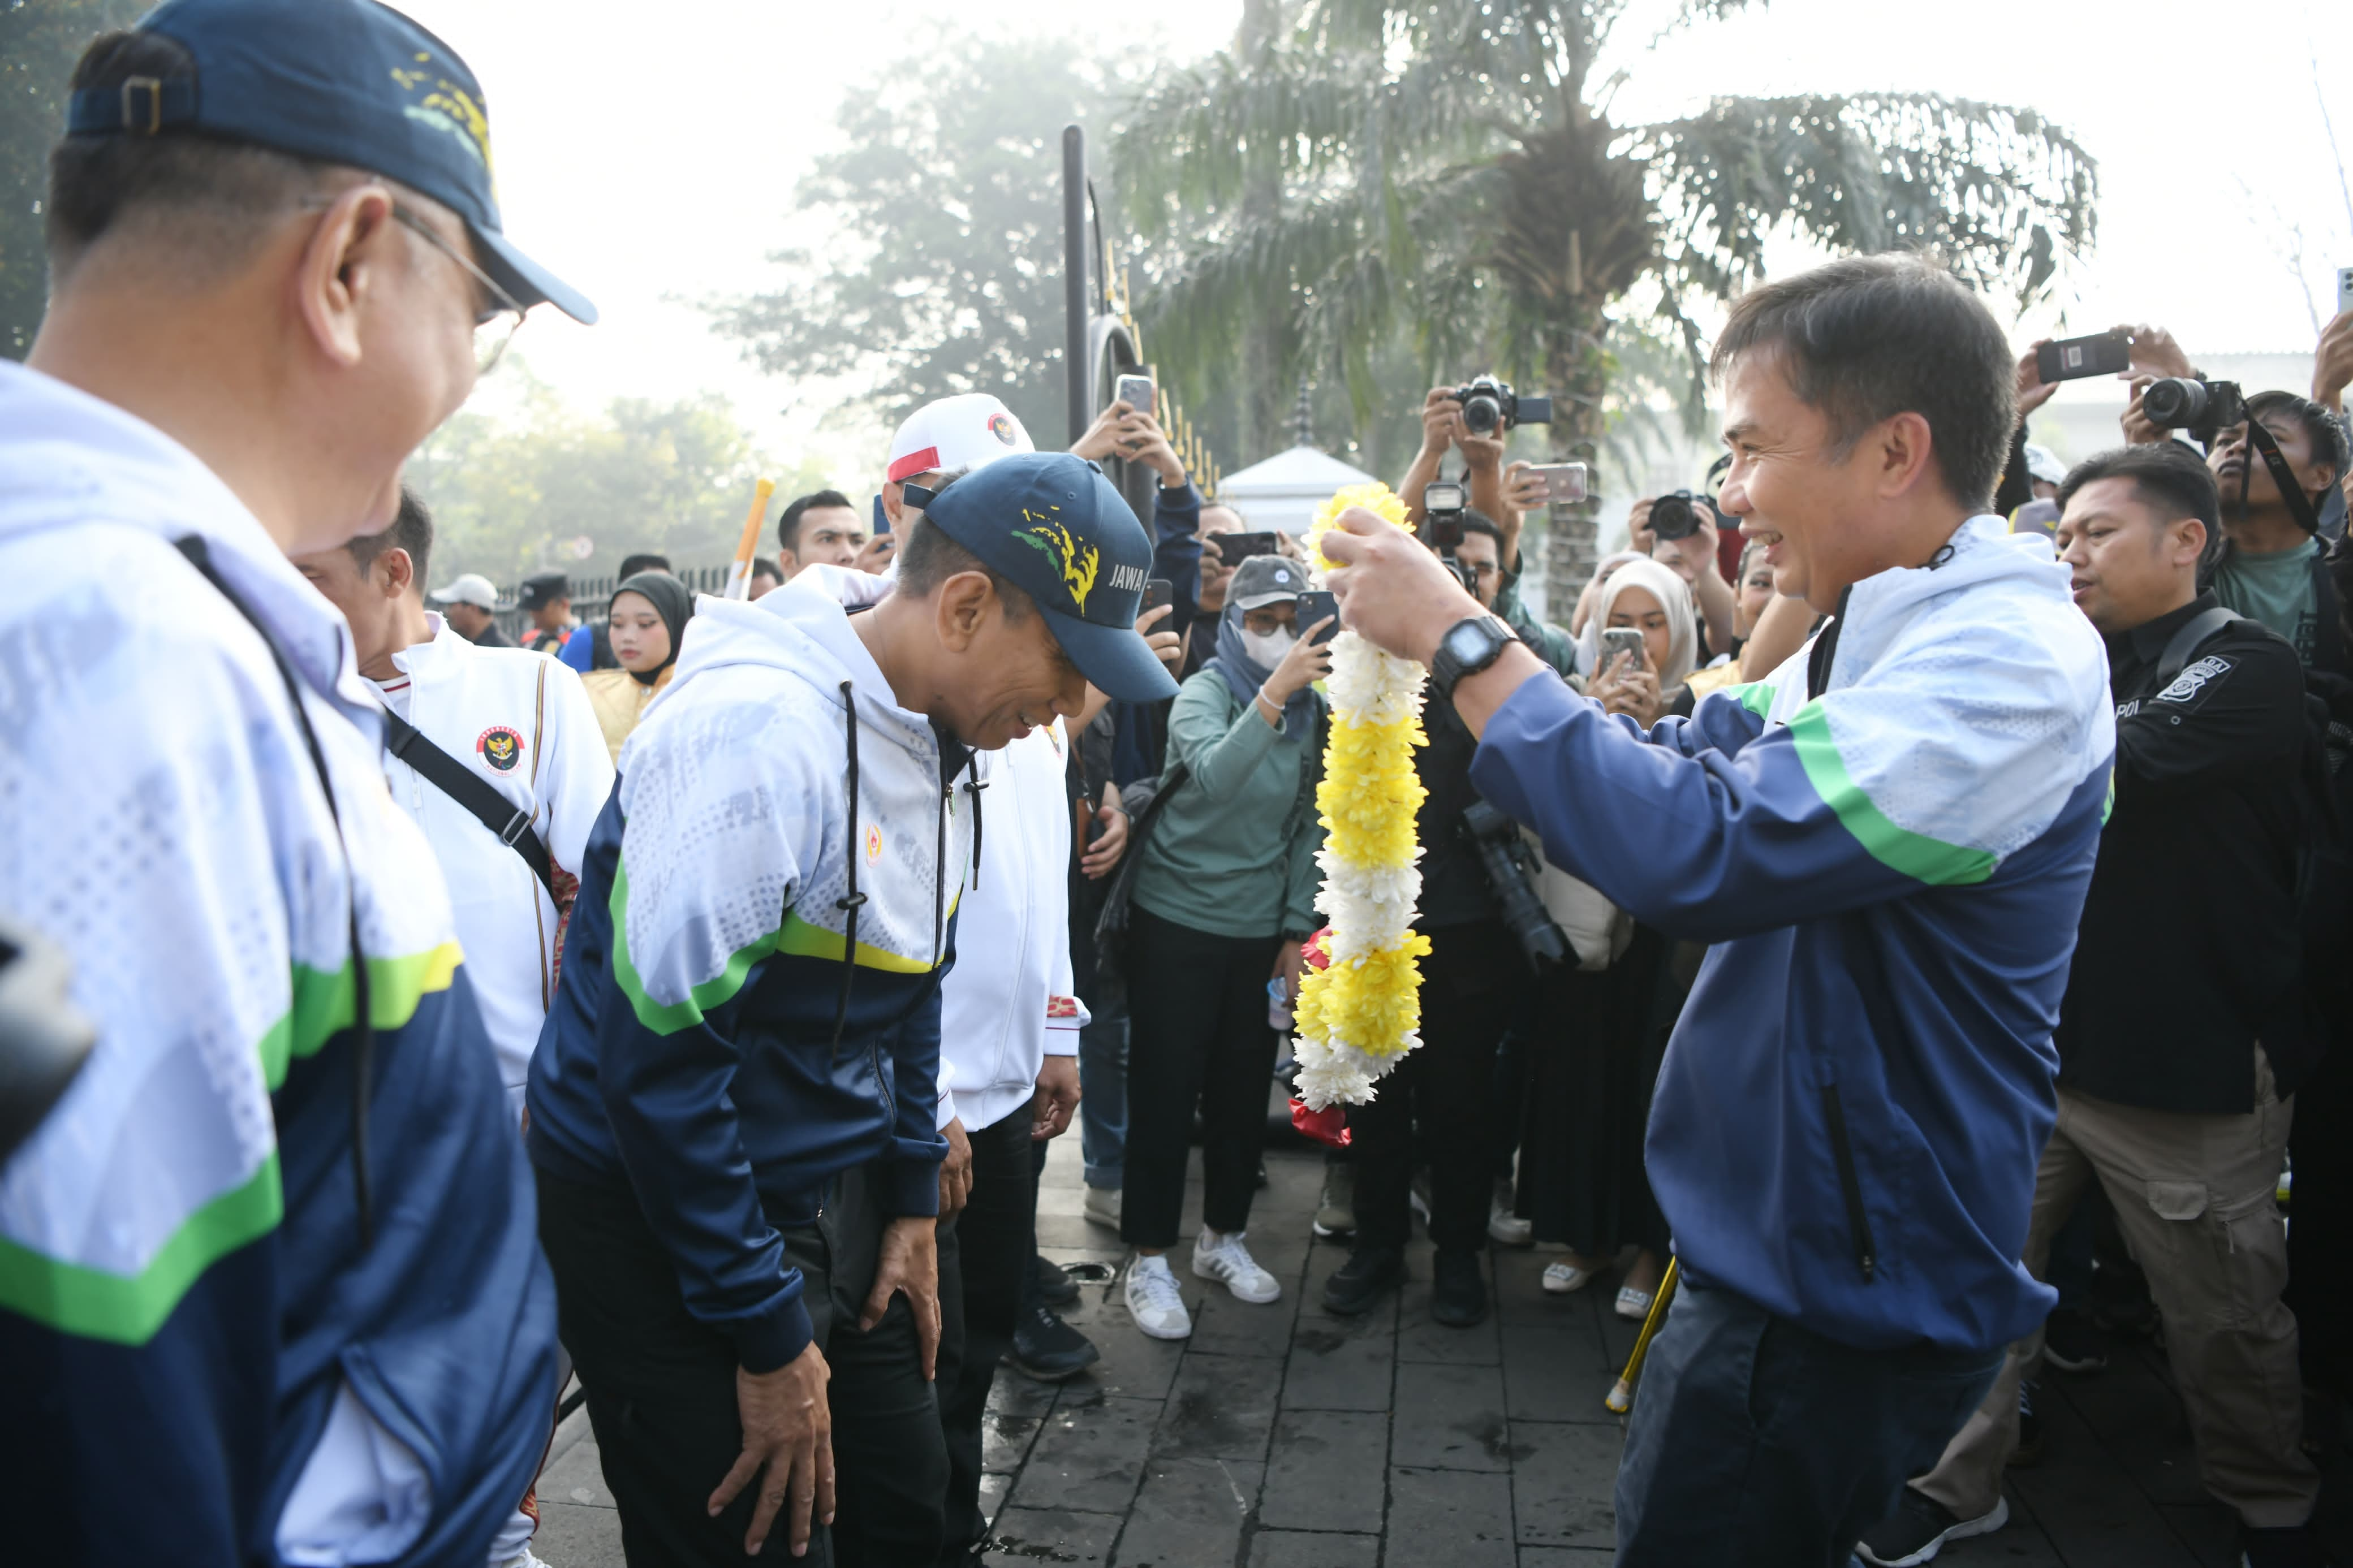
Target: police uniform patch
[[2194, 679], [501, 746]]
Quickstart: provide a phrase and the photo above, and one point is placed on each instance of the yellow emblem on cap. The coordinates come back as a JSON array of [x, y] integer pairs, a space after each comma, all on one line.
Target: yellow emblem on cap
[[1077, 563], [444, 106]]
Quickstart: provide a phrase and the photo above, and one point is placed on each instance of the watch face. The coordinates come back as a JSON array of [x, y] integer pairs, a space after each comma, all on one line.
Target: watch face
[[1467, 641]]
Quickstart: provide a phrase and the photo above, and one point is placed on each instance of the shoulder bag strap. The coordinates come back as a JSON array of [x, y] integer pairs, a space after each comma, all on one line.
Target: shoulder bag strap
[[2187, 641], [508, 822]]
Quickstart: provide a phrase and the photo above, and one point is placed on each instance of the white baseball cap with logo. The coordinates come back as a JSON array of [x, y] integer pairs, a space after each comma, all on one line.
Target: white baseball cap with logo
[[970, 430]]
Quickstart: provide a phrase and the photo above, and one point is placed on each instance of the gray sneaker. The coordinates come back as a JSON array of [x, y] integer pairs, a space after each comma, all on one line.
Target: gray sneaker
[[1336, 1216]]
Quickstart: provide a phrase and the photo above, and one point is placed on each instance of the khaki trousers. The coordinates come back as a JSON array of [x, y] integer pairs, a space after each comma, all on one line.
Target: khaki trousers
[[2194, 1197]]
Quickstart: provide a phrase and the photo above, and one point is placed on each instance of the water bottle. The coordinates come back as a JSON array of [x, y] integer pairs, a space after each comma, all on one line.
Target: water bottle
[[1278, 1007]]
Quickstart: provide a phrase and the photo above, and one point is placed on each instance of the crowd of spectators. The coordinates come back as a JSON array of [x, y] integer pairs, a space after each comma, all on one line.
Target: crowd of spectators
[[781, 1034]]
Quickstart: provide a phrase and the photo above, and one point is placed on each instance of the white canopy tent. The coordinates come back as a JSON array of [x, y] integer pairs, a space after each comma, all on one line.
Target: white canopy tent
[[1285, 490]]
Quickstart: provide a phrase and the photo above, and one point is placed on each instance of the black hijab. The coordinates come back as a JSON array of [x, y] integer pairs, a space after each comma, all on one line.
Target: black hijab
[[673, 600]]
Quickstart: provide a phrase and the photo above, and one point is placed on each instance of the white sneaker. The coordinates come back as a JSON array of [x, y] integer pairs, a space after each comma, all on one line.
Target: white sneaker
[[1226, 1259], [1504, 1226], [1153, 1302], [524, 1558], [1102, 1206]]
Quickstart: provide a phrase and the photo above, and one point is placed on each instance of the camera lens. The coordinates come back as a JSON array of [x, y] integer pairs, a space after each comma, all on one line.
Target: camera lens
[[1483, 414], [2174, 402], [1673, 516]]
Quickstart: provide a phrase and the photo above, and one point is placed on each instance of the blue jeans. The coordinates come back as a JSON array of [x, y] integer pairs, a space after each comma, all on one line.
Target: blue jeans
[[1102, 1100], [1755, 1441]]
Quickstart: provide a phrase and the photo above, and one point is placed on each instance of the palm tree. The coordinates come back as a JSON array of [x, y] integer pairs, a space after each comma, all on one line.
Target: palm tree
[[1450, 169]]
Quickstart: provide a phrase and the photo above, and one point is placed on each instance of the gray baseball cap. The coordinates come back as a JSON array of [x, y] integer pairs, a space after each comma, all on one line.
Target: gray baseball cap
[[1264, 580]]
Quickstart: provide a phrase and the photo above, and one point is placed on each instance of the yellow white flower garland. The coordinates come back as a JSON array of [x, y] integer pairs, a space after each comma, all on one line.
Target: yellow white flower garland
[[1362, 1012]]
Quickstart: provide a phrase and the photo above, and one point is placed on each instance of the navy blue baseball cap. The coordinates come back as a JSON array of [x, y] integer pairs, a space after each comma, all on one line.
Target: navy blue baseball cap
[[1051, 525], [343, 81]]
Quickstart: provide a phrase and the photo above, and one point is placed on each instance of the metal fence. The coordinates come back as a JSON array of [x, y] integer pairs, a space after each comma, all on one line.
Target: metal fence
[[589, 594]]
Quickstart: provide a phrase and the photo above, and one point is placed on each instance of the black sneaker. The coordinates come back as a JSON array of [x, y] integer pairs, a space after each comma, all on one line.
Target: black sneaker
[[1049, 1349], [1458, 1294], [1055, 1287], [1920, 1528], [2029, 1429], [1370, 1273], [2288, 1547], [2072, 1343]]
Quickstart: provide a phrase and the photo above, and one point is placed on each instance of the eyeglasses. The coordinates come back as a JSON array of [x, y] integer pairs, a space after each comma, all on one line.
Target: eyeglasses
[[495, 323]]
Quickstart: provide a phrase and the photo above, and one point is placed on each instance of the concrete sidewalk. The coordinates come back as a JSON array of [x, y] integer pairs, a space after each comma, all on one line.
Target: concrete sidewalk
[[1279, 1436]]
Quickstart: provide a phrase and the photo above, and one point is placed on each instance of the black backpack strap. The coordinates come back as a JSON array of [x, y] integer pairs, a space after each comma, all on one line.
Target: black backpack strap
[[2186, 642], [509, 823]]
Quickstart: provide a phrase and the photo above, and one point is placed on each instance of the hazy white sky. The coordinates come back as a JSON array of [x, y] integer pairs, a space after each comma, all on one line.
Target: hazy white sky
[[651, 150]]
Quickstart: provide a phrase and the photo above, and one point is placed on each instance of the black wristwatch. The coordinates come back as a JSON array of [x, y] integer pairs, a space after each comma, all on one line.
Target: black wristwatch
[[1469, 647]]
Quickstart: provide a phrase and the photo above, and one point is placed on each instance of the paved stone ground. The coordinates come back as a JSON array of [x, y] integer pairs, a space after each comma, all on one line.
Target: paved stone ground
[[1279, 1436]]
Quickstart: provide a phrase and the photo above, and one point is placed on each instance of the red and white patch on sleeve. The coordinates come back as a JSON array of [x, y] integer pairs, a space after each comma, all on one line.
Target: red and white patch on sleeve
[[1061, 1006]]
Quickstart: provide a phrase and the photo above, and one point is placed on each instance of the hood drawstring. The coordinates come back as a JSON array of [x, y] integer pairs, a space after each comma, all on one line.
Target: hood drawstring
[[974, 785], [199, 555], [852, 901]]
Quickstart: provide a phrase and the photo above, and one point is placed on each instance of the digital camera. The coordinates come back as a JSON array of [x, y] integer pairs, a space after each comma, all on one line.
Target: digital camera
[[2200, 408], [1490, 406]]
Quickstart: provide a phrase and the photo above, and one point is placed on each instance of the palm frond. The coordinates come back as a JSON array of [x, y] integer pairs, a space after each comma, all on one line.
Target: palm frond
[[1999, 193]]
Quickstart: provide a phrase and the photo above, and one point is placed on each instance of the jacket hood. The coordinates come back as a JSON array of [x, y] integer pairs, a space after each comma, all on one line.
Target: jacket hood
[[69, 459], [1983, 552], [800, 629]]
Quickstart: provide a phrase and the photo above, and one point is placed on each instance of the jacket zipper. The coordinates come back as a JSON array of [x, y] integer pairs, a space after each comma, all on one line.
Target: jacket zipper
[[1850, 1184]]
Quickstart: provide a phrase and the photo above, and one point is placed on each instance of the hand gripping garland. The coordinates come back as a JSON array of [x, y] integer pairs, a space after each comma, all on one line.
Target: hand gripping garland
[[1362, 1012]]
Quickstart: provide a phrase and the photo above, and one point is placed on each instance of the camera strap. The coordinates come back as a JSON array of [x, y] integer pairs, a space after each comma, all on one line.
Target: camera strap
[[2299, 505]]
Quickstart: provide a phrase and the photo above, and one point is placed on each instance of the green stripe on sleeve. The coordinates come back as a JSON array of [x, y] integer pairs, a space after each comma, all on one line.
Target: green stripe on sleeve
[[324, 1004], [127, 1309], [1926, 859], [669, 1018], [1757, 696]]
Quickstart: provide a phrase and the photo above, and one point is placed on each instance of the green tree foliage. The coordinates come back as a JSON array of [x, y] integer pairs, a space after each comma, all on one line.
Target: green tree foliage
[[943, 271], [39, 42], [1453, 172], [510, 492]]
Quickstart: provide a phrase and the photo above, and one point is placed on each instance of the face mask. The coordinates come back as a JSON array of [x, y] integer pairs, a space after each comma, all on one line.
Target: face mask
[[1268, 647]]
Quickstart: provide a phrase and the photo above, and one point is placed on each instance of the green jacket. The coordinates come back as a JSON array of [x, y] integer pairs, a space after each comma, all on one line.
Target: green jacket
[[1233, 852]]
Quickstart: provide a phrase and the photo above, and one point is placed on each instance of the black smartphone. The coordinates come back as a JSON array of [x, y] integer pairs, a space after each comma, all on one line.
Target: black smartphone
[[1159, 592], [1234, 549], [2071, 359], [1313, 607]]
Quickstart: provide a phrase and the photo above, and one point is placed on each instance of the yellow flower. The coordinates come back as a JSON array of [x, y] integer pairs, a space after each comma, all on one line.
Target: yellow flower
[[1376, 497]]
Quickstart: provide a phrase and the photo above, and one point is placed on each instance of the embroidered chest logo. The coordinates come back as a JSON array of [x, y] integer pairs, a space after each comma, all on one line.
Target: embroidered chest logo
[[873, 844], [501, 746], [2192, 681], [1074, 563]]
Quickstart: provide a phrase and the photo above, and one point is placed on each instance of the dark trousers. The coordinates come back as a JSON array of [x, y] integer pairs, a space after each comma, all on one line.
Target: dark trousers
[[1198, 1035], [661, 1388], [1473, 983], [1756, 1441], [984, 1262]]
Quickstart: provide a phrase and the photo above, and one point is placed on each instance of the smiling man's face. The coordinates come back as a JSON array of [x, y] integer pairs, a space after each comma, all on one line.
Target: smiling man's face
[[1805, 502]]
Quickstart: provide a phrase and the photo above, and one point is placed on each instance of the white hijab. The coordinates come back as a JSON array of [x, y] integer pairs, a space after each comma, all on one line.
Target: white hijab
[[1673, 595]]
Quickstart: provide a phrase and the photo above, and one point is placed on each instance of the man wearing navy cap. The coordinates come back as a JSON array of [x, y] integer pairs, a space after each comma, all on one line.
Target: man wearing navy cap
[[734, 1103], [273, 1252]]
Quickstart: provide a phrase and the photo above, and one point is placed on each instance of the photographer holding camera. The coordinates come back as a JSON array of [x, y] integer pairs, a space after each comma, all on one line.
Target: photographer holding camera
[[1878, 845], [1679, 531], [1474, 981], [2184, 1031]]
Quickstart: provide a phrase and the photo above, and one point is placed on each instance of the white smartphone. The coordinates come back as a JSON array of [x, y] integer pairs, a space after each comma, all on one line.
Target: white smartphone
[[2344, 290]]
